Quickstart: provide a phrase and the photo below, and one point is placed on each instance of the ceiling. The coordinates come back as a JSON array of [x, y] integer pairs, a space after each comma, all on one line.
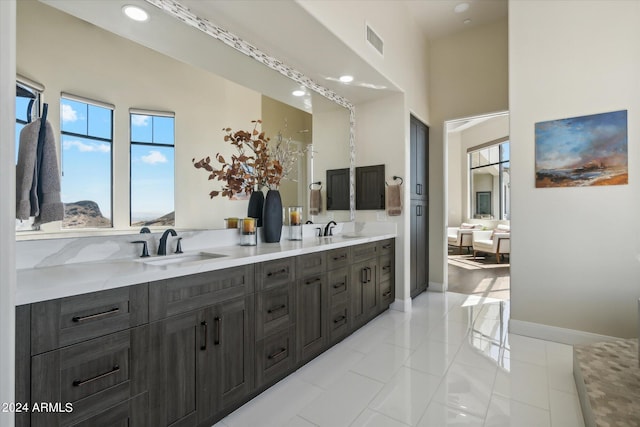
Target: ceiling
[[438, 18]]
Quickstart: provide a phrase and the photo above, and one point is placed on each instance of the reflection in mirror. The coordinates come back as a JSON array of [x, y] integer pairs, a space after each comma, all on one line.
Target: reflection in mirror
[[82, 59]]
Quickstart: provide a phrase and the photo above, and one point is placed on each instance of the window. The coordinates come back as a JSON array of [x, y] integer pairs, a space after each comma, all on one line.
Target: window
[[490, 184], [86, 140], [152, 168]]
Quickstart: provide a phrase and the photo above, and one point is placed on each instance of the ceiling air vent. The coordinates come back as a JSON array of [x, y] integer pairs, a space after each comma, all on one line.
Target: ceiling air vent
[[375, 40]]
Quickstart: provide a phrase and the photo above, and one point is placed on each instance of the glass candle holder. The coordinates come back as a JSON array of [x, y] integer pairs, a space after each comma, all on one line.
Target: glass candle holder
[[231, 222], [295, 222], [248, 234]]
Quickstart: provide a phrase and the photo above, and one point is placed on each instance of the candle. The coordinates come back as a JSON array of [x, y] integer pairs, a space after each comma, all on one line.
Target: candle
[[295, 217], [232, 222], [249, 225]]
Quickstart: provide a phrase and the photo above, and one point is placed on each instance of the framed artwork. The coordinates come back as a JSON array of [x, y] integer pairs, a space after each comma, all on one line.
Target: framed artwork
[[582, 151], [483, 202]]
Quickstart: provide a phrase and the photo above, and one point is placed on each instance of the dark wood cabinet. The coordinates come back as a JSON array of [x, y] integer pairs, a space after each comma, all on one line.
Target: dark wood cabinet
[[338, 189], [419, 209], [364, 291], [370, 191], [419, 248], [189, 350]]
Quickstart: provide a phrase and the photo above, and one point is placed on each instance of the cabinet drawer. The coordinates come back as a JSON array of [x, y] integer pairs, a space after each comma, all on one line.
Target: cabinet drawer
[[275, 309], [92, 376], [387, 294], [338, 285], [275, 356], [311, 264], [339, 322], [386, 247], [386, 267], [131, 413], [274, 273], [364, 252], [66, 321], [183, 294], [338, 258]]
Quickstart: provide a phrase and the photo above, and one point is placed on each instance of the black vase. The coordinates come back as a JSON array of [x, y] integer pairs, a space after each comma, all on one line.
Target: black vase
[[272, 217], [256, 204]]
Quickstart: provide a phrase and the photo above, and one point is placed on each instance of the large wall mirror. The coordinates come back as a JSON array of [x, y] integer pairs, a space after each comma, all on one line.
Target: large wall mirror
[[90, 52]]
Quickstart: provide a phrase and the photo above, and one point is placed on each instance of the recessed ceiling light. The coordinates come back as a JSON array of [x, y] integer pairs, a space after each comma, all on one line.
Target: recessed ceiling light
[[461, 7], [466, 21], [136, 13], [298, 92], [346, 79]]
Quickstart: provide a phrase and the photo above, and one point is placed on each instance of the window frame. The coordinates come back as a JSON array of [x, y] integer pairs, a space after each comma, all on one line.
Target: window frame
[[504, 214]]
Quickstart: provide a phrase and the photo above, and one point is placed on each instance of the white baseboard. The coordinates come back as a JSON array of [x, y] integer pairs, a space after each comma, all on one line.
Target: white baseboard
[[436, 287], [555, 333], [401, 305]]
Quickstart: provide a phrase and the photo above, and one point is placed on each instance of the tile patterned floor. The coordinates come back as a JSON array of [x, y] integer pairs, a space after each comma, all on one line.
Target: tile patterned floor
[[450, 362]]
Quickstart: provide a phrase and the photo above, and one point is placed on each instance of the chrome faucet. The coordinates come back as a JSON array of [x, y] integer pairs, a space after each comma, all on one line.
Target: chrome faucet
[[328, 230], [162, 246]]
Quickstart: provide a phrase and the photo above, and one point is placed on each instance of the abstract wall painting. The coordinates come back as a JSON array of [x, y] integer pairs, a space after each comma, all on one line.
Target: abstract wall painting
[[582, 151]]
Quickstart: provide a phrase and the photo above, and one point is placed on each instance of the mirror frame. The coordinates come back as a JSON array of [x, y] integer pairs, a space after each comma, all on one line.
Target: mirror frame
[[182, 13]]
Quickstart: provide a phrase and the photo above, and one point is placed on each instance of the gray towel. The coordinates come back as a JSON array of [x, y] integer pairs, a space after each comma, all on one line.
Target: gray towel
[[38, 186], [394, 200], [315, 202]]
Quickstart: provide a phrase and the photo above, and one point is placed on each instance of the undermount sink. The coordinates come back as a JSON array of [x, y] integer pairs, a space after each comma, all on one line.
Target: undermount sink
[[181, 259]]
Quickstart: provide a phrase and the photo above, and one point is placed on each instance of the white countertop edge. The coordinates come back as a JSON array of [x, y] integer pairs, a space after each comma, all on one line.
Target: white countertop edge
[[47, 283]]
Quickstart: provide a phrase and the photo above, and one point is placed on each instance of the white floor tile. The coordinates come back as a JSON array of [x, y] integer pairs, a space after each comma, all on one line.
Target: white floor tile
[[299, 422], [527, 349], [477, 352], [330, 367], [406, 396], [466, 388], [565, 410], [560, 367], [369, 418], [528, 384], [408, 335], [341, 404], [365, 339], [432, 357], [449, 332], [381, 363], [439, 415], [510, 413]]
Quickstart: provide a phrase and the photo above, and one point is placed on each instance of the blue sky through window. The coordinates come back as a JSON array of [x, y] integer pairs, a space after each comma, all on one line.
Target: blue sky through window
[[86, 153], [152, 167]]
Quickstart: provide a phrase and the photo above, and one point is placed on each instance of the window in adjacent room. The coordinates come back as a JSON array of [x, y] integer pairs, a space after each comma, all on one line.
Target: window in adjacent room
[[490, 183], [152, 168], [86, 140]]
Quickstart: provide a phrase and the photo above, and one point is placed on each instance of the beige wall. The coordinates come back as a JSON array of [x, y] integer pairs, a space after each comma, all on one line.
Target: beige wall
[[468, 77], [576, 251]]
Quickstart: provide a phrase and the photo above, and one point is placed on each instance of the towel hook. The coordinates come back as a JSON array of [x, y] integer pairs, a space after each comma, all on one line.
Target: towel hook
[[395, 177], [315, 183]]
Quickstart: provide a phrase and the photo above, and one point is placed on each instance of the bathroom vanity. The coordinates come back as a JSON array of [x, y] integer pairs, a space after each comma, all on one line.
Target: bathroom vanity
[[197, 338]]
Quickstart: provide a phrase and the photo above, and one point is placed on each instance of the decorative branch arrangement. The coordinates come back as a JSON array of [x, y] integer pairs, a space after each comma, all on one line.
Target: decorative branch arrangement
[[256, 164]]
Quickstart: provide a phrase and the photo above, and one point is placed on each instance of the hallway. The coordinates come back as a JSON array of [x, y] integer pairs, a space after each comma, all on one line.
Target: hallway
[[481, 277]]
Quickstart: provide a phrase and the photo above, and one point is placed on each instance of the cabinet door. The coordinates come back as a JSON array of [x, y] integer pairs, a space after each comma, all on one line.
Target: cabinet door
[[364, 297], [233, 341], [182, 390], [338, 189], [370, 187], [419, 143], [312, 316], [419, 248]]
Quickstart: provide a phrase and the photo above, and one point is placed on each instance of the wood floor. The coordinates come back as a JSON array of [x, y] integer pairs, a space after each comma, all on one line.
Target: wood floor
[[482, 277]]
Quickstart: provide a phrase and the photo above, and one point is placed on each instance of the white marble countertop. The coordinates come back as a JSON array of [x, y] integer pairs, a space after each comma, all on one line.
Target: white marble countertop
[[46, 283]]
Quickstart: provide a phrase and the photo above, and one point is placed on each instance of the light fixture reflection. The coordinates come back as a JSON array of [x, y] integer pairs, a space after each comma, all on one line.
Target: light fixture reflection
[[298, 93], [346, 79]]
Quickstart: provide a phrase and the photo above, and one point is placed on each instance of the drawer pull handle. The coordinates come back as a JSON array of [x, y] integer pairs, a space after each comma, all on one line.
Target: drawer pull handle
[[339, 285], [386, 294], [271, 310], [386, 267], [96, 315], [204, 325], [78, 383], [312, 281], [216, 340], [338, 258], [275, 273], [277, 354], [339, 319], [387, 246]]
